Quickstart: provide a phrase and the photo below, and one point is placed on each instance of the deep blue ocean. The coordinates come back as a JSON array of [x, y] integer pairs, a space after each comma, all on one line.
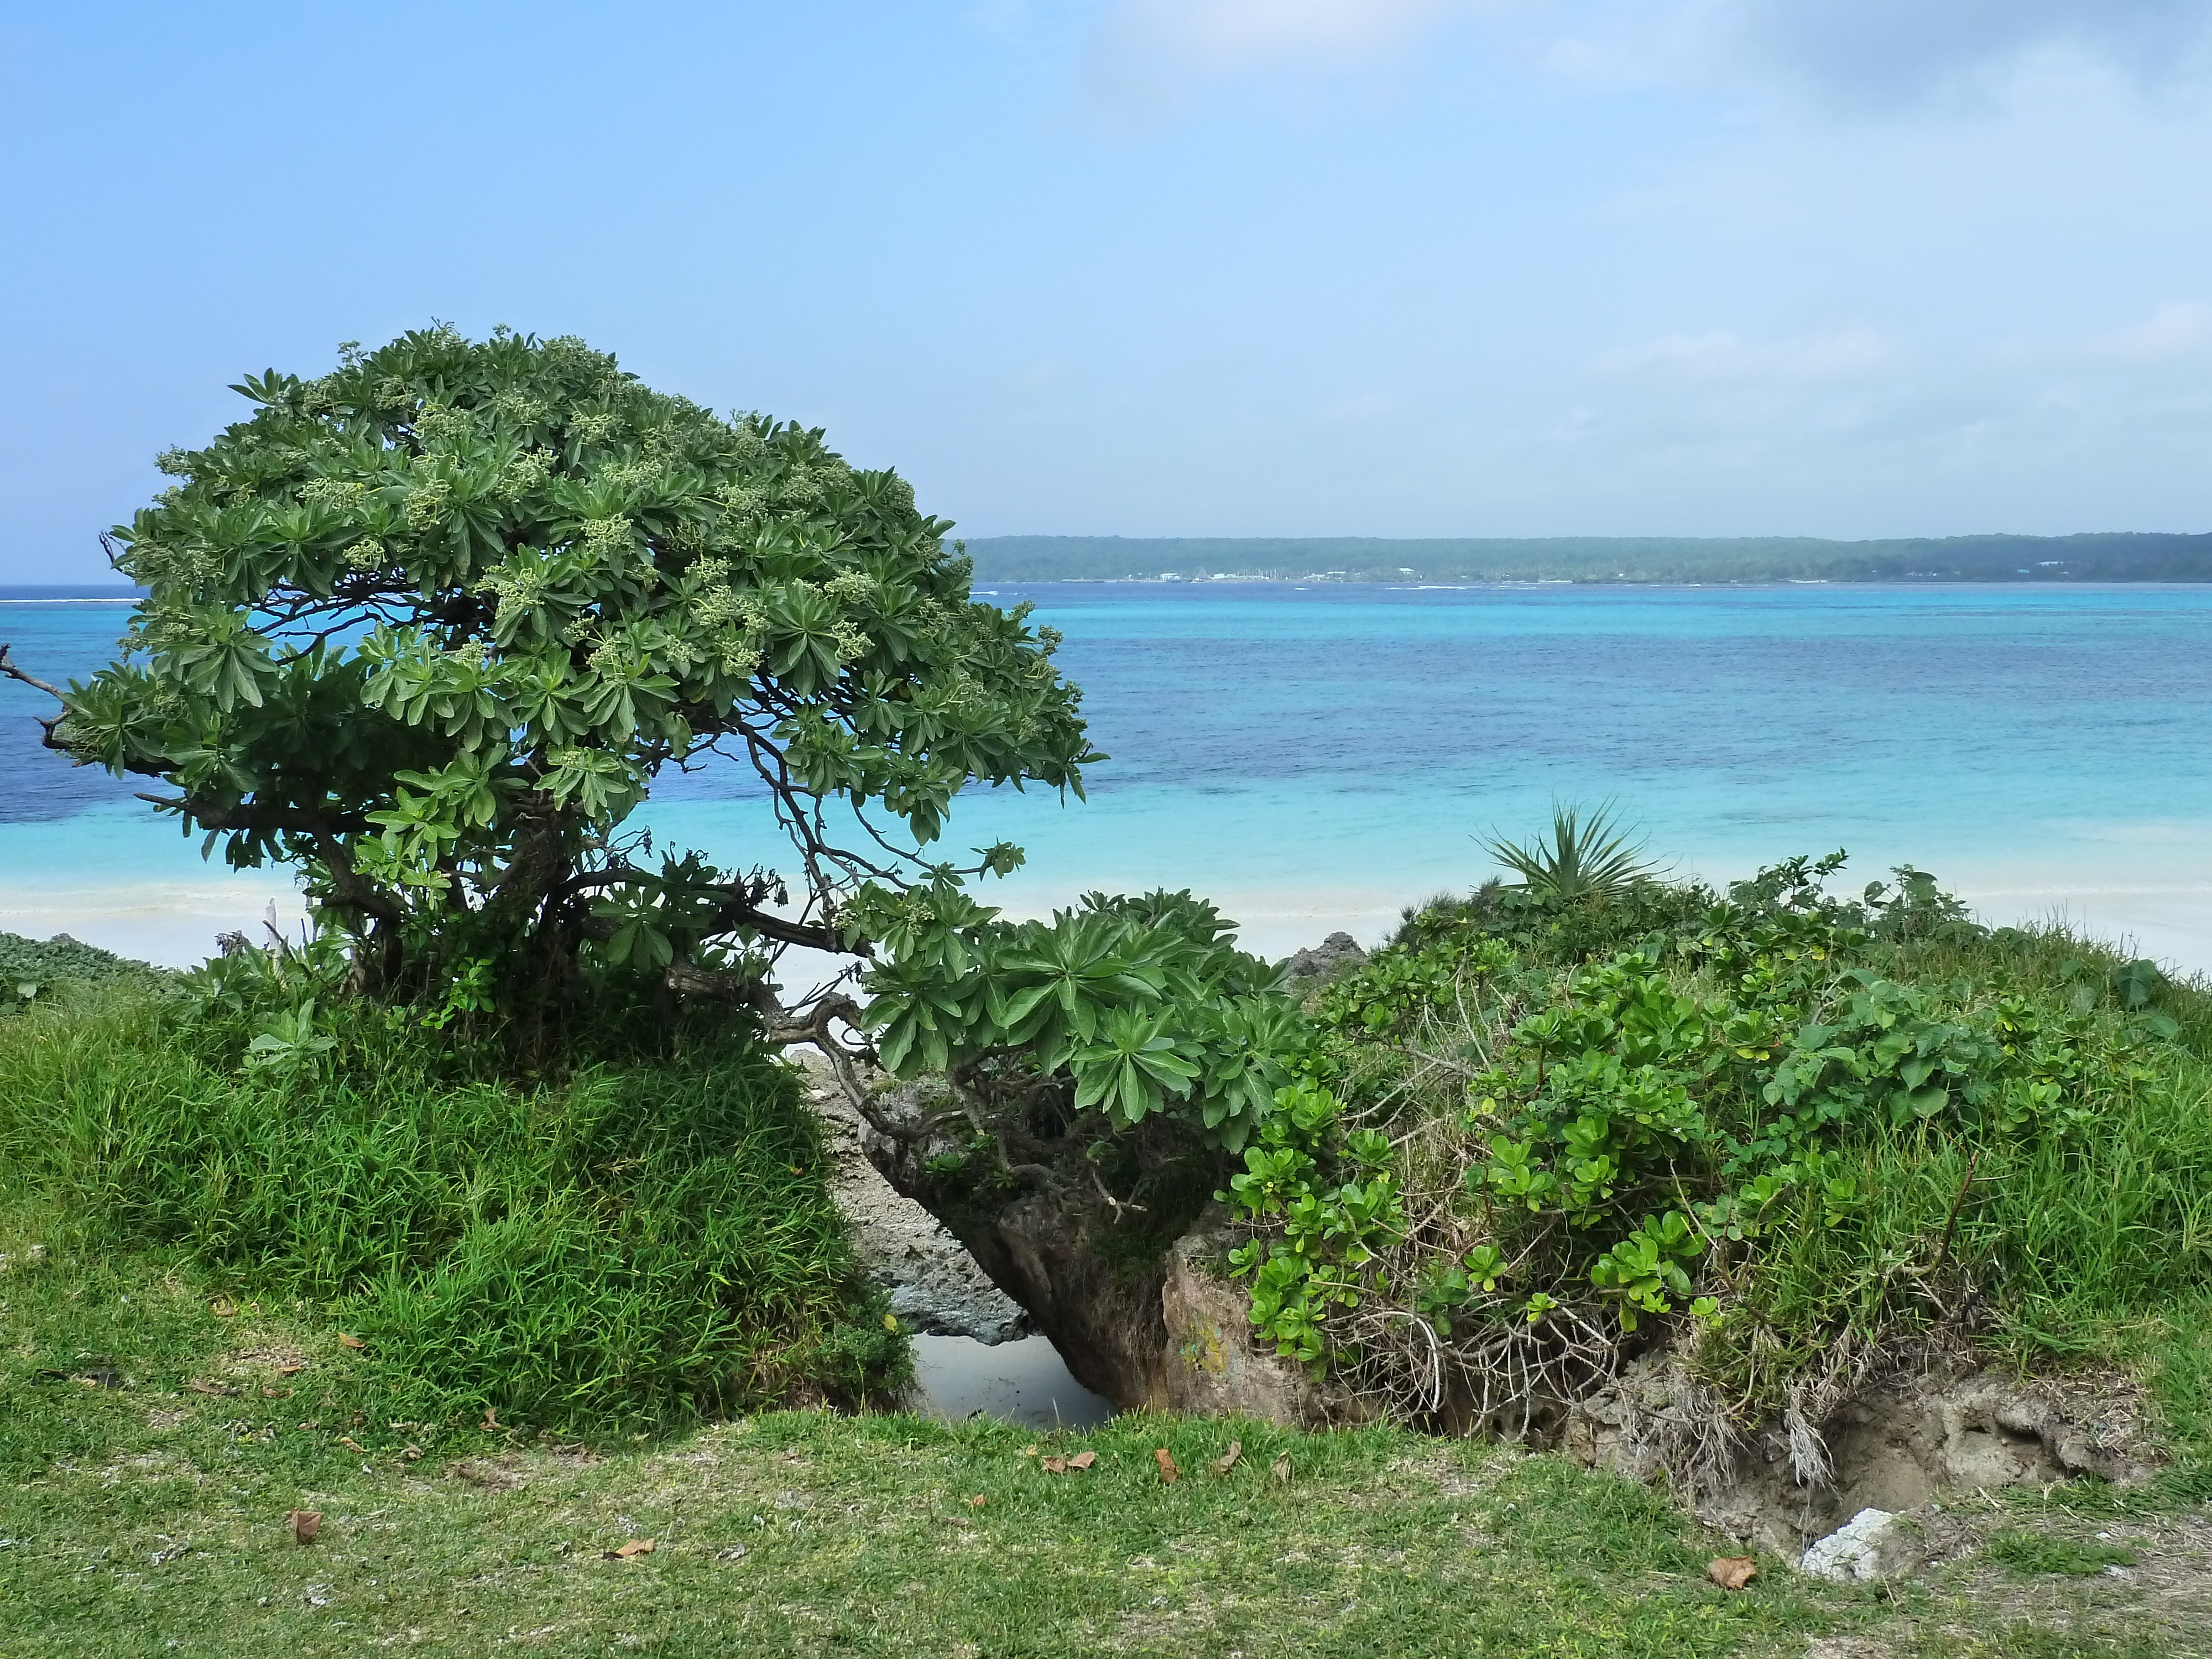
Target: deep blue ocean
[[1318, 756]]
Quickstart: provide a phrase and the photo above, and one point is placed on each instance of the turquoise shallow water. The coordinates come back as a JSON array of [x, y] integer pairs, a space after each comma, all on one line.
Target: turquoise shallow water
[[1318, 757]]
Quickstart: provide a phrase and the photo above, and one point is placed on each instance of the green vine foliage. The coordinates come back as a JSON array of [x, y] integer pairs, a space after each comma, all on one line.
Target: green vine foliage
[[430, 625], [1629, 1133]]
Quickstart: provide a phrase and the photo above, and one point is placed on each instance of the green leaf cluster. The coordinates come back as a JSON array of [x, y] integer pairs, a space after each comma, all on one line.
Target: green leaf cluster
[[1139, 1007], [1320, 1234]]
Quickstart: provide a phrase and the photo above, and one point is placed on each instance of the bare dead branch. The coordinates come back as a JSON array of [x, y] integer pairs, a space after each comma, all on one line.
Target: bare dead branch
[[9, 669]]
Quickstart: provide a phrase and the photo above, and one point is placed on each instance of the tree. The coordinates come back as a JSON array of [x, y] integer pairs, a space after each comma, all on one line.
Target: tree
[[428, 626]]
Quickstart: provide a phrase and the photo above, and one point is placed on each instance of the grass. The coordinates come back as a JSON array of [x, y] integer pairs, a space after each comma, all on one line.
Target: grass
[[153, 1523], [2027, 1552], [150, 1518], [625, 1247], [2096, 1248]]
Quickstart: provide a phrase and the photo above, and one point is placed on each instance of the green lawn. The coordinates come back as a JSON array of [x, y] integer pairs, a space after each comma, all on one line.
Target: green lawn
[[149, 1517]]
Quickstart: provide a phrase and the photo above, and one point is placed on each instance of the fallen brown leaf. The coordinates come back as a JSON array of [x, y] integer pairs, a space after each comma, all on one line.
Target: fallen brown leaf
[[1082, 1459], [978, 1500], [268, 1392], [347, 1440], [348, 1339], [223, 1308], [1165, 1459], [410, 1453], [305, 1524], [291, 1370], [1281, 1468], [1732, 1572], [1054, 1466], [201, 1385], [1223, 1464], [491, 1419], [1028, 1451], [636, 1547]]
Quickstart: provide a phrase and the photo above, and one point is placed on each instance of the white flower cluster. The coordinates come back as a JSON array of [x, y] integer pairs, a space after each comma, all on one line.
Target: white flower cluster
[[526, 471], [521, 408], [604, 535], [518, 586], [438, 424], [337, 495], [426, 506]]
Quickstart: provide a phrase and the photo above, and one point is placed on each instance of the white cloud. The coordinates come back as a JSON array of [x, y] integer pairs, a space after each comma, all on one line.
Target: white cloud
[[1878, 435], [1888, 50], [2178, 332], [1878, 52], [1146, 56], [1854, 352], [1215, 35]]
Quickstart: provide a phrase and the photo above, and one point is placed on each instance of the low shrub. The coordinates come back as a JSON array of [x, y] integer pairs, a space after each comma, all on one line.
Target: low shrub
[[31, 969], [1801, 1138], [634, 1242]]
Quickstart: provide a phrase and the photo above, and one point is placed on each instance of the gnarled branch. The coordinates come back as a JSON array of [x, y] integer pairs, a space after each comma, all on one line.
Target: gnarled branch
[[10, 671], [301, 820], [9, 668]]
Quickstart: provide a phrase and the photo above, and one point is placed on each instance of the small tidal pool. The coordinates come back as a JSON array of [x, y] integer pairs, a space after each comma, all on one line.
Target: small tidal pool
[[1024, 1380]]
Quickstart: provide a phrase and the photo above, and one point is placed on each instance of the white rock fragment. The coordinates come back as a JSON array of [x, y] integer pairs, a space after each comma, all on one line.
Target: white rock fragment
[[1867, 1548]]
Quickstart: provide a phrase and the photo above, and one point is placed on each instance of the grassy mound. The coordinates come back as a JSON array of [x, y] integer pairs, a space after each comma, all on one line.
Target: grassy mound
[[151, 1448], [31, 969], [1800, 1139], [639, 1240]]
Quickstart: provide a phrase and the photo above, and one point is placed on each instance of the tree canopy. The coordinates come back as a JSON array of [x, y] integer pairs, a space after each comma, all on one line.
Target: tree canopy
[[430, 625]]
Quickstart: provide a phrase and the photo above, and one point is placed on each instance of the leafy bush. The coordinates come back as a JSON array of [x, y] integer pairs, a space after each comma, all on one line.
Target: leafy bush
[[1124, 1009], [31, 969], [635, 1243], [1799, 1129]]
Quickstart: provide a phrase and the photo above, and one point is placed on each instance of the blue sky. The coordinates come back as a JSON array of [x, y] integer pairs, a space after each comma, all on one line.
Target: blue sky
[[1209, 267]]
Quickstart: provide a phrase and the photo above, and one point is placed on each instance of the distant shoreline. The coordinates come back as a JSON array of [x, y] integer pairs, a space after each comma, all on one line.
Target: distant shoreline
[[1763, 560], [2129, 556]]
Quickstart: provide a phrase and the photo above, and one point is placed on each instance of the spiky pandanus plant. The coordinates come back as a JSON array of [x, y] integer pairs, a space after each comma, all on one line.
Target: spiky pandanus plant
[[1583, 858]]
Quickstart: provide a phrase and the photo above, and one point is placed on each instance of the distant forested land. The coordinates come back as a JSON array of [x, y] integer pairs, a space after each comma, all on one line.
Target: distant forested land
[[2110, 557]]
